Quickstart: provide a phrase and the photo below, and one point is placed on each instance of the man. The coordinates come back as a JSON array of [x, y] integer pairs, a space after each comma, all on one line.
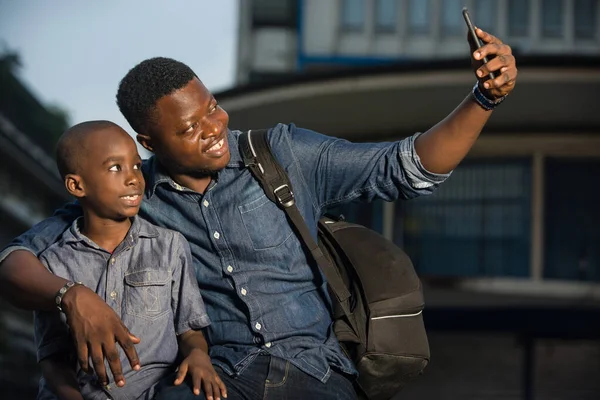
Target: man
[[270, 335]]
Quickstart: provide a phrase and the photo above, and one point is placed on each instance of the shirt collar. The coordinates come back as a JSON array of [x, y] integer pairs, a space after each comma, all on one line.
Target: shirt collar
[[139, 228], [235, 160], [155, 174]]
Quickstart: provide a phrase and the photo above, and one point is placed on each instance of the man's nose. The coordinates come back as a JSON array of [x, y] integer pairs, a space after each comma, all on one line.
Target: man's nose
[[211, 127]]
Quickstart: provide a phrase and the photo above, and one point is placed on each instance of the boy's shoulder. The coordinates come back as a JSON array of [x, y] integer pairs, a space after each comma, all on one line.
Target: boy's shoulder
[[68, 236]]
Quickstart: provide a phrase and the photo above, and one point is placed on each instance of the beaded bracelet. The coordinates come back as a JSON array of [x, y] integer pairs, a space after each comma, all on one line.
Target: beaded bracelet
[[483, 100], [61, 293]]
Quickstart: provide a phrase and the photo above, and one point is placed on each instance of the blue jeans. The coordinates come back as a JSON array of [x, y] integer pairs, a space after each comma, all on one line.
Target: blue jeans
[[268, 378]]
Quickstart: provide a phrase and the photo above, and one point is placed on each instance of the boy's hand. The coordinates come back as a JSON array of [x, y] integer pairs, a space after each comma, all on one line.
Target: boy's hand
[[501, 61], [197, 364]]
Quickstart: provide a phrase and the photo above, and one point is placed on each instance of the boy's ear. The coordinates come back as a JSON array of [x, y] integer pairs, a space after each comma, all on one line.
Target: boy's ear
[[74, 185], [145, 141]]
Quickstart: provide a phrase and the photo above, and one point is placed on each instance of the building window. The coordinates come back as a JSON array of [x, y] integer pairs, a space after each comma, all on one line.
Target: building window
[[586, 12], [418, 16], [518, 17], [572, 220], [353, 15], [475, 224], [452, 20], [552, 18], [274, 12], [485, 15], [386, 15]]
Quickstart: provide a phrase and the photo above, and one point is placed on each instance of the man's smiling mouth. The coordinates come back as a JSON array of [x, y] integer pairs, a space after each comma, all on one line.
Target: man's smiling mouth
[[217, 146]]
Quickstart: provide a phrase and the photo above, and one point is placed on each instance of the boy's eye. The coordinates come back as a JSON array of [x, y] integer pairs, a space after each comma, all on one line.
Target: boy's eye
[[115, 168], [137, 166]]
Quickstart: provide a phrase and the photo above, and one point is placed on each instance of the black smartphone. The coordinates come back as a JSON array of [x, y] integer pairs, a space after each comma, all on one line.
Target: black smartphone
[[465, 13]]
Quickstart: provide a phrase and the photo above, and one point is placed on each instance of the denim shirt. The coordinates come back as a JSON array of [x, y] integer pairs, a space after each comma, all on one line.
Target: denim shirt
[[261, 291], [148, 281]]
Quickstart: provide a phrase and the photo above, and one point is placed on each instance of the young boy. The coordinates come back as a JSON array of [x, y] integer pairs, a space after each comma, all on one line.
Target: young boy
[[142, 271]]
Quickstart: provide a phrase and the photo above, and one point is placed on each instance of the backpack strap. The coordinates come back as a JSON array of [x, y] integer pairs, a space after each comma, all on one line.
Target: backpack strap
[[261, 162]]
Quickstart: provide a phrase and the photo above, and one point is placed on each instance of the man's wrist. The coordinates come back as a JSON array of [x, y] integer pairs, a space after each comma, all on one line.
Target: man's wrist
[[483, 100], [64, 300]]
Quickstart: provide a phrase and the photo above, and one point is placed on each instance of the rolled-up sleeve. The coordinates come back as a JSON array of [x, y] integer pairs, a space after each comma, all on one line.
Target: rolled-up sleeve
[[42, 235], [188, 306], [338, 171], [416, 175]]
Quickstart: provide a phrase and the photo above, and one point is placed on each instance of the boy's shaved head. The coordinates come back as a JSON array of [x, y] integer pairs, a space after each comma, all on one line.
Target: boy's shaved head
[[72, 147]]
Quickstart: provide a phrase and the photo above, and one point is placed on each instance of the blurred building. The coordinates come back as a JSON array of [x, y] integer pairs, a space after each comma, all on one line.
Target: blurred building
[[508, 247], [30, 190]]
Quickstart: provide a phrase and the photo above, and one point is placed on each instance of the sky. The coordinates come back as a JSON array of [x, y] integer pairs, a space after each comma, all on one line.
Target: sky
[[74, 53]]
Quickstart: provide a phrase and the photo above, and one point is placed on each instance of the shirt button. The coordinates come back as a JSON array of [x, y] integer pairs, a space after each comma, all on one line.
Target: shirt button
[[244, 292], [229, 268], [112, 260], [113, 294], [268, 345], [205, 203], [216, 235], [258, 326]]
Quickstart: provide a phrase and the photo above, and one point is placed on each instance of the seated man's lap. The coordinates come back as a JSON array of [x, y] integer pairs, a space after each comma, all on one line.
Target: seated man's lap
[[285, 381], [237, 389], [268, 378]]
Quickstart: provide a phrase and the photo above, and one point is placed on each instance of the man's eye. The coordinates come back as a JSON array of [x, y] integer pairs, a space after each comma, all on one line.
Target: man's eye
[[115, 168], [214, 108], [137, 166], [192, 127]]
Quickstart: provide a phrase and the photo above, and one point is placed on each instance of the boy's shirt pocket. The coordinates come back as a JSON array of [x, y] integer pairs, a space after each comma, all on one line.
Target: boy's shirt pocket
[[148, 293]]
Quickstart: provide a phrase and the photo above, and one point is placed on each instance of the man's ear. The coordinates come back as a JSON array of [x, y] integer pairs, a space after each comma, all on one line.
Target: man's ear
[[74, 185], [145, 141]]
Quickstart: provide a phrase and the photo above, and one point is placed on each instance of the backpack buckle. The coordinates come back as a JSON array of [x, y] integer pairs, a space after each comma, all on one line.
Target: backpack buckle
[[284, 195]]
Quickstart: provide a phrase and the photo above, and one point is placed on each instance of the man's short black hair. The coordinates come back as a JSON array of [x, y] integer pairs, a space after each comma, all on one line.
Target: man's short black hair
[[145, 84], [71, 147]]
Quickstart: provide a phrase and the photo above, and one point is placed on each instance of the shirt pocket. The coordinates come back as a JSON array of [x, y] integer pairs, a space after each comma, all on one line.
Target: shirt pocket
[[265, 223], [148, 293]]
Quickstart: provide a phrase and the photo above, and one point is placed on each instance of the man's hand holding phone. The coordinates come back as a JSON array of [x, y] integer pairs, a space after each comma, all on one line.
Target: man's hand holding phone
[[492, 61]]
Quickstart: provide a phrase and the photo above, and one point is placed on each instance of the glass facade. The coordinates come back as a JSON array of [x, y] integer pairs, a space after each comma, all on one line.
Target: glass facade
[[386, 15], [353, 14], [274, 12], [485, 14], [552, 18], [452, 19], [586, 19], [476, 224], [572, 221], [418, 16], [518, 17]]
